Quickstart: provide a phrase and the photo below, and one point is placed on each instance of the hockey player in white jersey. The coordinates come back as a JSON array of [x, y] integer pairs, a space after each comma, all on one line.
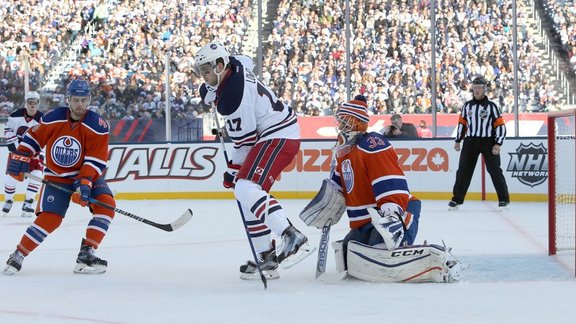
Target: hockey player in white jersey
[[266, 138], [18, 123]]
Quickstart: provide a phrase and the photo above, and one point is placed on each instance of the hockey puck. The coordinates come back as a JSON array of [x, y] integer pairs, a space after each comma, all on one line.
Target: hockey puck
[[214, 131]]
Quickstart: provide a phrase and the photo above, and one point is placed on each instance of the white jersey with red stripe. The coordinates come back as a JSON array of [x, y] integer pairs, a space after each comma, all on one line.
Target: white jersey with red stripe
[[18, 124], [252, 112]]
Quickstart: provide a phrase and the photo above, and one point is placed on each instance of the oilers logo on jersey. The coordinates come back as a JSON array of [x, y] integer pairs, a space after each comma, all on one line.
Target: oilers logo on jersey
[[348, 175], [66, 151]]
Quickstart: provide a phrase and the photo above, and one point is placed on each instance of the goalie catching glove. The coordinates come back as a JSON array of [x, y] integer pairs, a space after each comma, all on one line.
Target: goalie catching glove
[[328, 204], [390, 225]]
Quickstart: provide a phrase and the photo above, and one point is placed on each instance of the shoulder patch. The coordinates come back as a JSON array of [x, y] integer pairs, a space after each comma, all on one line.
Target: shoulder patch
[[95, 122], [18, 112], [56, 114], [373, 142]]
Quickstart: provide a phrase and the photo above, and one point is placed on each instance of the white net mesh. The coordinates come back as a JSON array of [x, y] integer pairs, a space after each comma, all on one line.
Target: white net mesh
[[565, 187]]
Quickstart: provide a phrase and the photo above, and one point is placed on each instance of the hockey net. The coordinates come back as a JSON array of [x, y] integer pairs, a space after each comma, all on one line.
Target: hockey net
[[561, 182]]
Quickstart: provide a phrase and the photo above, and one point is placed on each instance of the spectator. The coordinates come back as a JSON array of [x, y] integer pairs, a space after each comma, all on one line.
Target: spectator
[[423, 130], [397, 128]]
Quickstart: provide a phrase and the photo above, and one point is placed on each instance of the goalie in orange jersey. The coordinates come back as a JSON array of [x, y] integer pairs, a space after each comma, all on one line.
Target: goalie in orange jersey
[[75, 140], [383, 215]]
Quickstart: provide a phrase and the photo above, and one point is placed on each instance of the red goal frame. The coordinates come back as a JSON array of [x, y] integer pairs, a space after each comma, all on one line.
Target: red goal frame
[[552, 176]]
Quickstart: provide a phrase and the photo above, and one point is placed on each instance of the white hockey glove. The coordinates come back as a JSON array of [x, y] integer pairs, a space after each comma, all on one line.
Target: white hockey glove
[[390, 225], [328, 204], [207, 93]]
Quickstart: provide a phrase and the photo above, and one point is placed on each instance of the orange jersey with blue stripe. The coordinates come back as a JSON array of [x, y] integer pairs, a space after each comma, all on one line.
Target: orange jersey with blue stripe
[[370, 176], [73, 149]]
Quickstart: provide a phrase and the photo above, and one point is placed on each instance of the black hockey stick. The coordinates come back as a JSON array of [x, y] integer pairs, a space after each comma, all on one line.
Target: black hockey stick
[[165, 227], [257, 262], [323, 249]]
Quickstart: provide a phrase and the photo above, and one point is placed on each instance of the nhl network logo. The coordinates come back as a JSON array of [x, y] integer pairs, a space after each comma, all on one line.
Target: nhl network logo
[[529, 164]]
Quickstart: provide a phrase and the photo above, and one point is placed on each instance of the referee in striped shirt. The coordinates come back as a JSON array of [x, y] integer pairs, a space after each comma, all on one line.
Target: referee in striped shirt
[[482, 128]]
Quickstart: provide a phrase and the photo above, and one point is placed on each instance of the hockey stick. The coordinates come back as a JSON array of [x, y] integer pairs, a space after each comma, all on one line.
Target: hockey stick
[[257, 262], [323, 249], [323, 246], [165, 227]]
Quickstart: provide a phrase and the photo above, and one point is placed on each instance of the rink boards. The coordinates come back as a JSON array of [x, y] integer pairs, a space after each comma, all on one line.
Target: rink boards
[[194, 170]]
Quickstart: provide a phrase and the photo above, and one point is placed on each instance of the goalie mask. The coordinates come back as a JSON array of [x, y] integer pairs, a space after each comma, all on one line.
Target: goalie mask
[[352, 118]]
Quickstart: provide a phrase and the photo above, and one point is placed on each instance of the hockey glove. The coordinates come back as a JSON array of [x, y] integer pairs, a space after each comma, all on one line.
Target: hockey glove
[[230, 175], [37, 163], [390, 225], [18, 164], [82, 188]]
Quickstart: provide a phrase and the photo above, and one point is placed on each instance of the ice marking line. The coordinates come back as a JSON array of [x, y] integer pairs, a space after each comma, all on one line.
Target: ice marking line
[[66, 317], [530, 238]]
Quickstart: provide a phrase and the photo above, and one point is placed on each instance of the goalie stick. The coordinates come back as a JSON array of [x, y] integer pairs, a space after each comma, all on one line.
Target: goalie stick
[[256, 260], [325, 238], [165, 227], [323, 249]]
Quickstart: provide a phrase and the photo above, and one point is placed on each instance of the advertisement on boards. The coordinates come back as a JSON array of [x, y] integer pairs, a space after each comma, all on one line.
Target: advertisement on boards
[[164, 171]]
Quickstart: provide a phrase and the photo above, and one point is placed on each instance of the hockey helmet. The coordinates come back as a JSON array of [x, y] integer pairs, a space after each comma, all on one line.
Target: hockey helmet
[[32, 95], [209, 53], [78, 88], [352, 116]]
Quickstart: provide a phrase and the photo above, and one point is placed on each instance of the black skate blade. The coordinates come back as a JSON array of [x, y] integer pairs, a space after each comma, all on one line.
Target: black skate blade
[[82, 268], [269, 274]]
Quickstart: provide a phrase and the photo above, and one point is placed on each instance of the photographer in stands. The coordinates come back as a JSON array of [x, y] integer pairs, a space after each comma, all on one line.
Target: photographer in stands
[[399, 129]]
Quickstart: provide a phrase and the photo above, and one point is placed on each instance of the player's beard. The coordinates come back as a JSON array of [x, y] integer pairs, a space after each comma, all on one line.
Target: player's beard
[[74, 113]]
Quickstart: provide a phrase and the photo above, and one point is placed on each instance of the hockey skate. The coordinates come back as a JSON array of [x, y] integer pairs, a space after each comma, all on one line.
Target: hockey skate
[[27, 208], [7, 206], [88, 263], [453, 269], [452, 205], [268, 265], [503, 205], [14, 263], [295, 247]]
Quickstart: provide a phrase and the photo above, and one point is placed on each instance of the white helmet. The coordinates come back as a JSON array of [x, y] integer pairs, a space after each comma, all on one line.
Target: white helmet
[[209, 53], [32, 95]]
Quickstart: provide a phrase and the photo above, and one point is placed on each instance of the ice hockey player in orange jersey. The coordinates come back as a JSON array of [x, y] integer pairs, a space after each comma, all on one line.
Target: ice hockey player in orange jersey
[[75, 141], [382, 212], [371, 178]]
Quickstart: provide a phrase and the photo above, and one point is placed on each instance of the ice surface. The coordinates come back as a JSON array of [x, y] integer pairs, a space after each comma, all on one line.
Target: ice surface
[[191, 275]]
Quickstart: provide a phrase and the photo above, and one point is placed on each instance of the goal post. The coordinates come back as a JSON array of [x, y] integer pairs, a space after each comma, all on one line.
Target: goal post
[[561, 182]]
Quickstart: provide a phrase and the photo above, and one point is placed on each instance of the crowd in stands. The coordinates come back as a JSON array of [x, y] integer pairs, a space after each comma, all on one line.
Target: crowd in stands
[[122, 48], [563, 16], [123, 45], [390, 55], [36, 32]]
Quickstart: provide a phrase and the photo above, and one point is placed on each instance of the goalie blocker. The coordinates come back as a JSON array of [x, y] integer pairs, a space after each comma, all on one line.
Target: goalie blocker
[[416, 263], [328, 204]]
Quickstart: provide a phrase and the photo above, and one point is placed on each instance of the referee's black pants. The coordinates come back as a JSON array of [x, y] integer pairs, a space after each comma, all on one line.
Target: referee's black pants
[[472, 147]]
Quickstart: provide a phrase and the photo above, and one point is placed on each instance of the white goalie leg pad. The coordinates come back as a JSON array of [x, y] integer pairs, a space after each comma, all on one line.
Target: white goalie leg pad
[[417, 263], [328, 204], [339, 256]]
